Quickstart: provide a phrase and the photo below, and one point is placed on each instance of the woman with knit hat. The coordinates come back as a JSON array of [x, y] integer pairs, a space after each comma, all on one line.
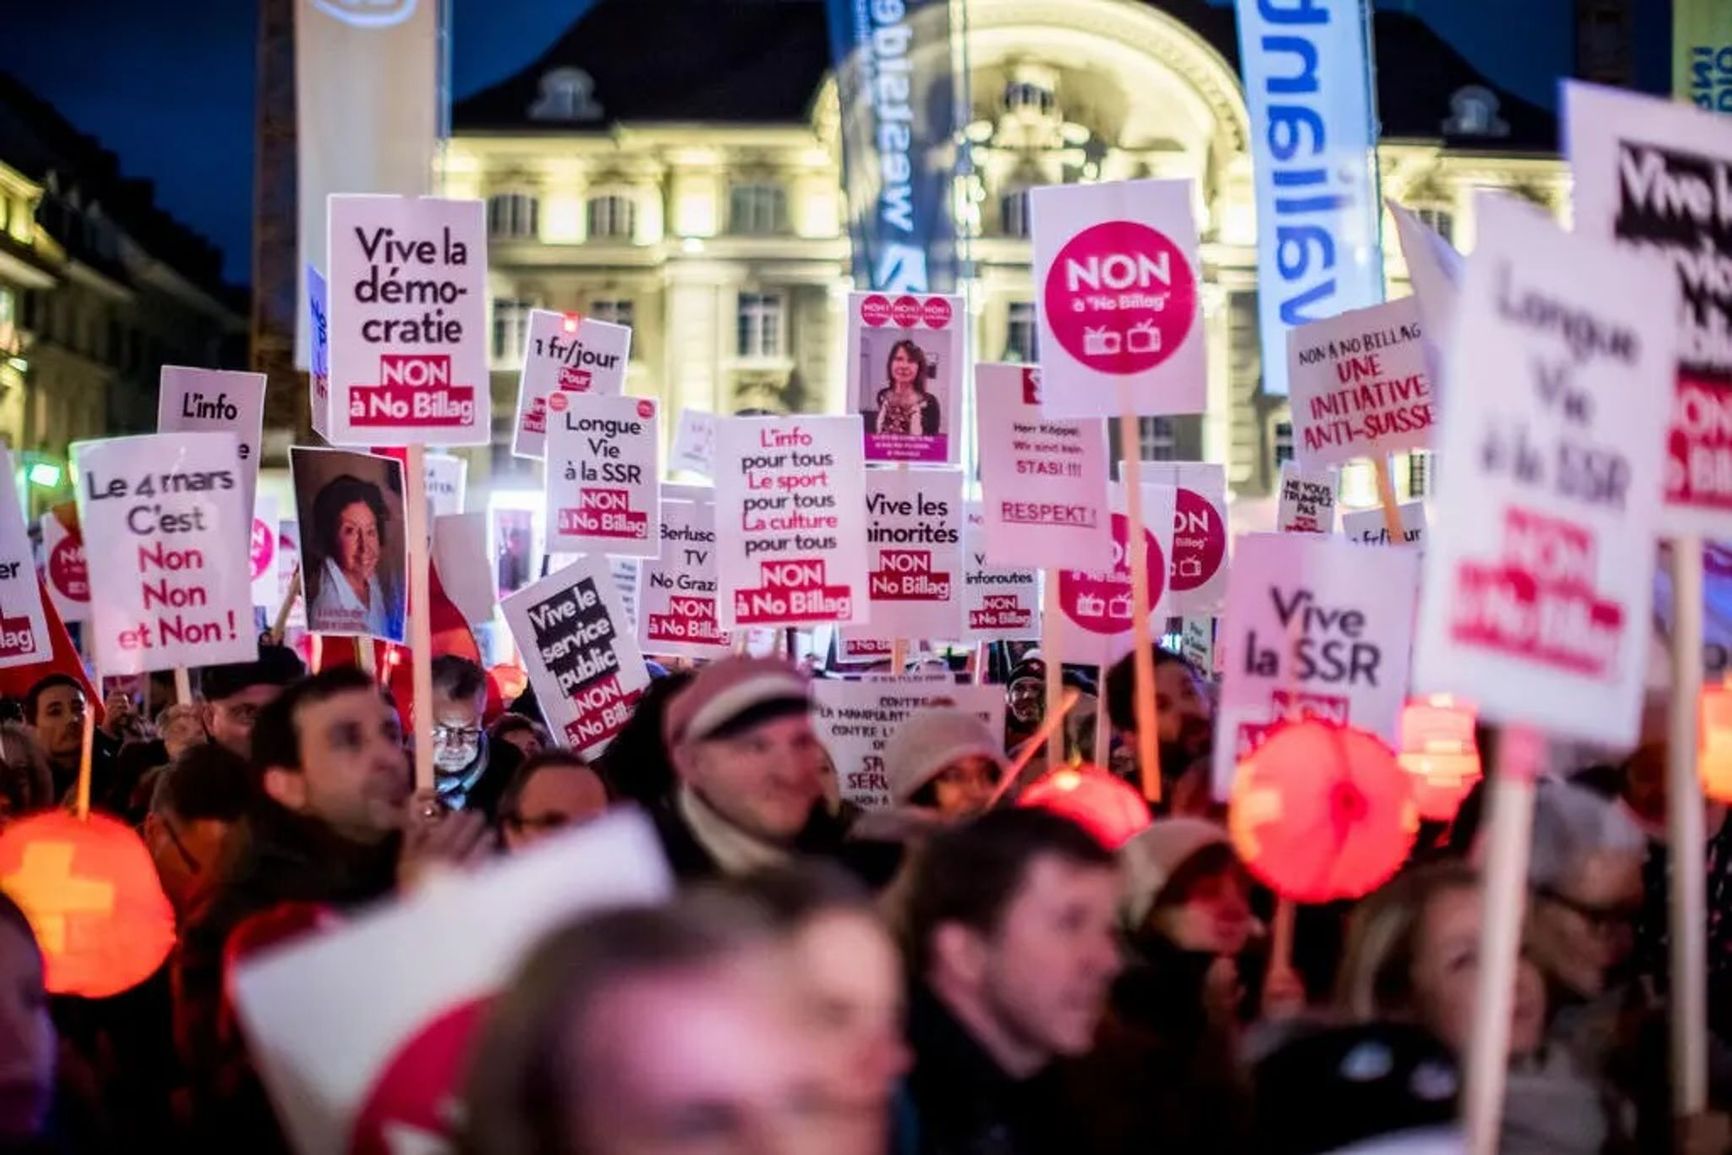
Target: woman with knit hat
[[944, 760]]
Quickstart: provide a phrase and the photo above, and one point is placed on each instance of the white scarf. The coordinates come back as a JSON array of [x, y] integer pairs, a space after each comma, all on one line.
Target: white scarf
[[735, 851]]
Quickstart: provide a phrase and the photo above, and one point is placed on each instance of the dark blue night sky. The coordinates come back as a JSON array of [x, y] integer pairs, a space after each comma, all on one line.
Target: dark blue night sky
[[129, 74]]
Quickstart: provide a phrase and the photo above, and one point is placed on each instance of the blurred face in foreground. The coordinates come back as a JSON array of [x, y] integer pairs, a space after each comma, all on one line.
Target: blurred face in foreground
[[27, 1039], [1446, 968]]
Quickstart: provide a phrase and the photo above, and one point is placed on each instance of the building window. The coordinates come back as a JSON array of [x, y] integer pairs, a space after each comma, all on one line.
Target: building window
[[613, 312], [1156, 439], [1020, 333], [1022, 94], [1283, 443], [757, 210], [1439, 220], [760, 325], [512, 216], [611, 217], [510, 328], [1013, 213], [1418, 474]]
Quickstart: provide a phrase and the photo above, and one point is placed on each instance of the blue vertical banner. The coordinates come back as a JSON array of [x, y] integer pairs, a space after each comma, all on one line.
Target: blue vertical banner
[[1308, 83], [894, 74]]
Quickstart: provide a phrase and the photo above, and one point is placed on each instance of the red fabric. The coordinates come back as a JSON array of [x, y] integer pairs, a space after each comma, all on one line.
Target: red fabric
[[16, 681], [1089, 796]]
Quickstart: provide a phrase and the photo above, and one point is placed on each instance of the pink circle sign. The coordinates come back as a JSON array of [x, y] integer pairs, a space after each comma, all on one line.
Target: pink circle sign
[[875, 311], [1199, 541], [935, 313], [67, 570], [906, 311], [1120, 297], [1101, 602], [264, 548]]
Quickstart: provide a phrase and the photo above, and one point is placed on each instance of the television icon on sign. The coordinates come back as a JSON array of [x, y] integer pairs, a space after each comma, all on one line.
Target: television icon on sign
[[1121, 607], [1090, 606], [1144, 338], [1188, 568], [1101, 342]]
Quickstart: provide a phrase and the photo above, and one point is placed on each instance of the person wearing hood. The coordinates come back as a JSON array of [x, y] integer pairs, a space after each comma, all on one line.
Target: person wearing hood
[[944, 761]]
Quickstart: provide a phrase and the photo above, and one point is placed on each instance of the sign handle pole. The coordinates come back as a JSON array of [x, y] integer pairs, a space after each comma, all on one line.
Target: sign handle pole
[[898, 656], [82, 803], [366, 657], [1510, 795], [1051, 724], [281, 623], [1051, 648], [420, 623], [1684, 819], [1386, 498], [182, 686], [982, 655], [1143, 652], [1281, 936]]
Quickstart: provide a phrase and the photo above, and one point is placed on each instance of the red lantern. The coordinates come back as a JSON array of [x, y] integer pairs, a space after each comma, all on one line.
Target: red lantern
[[92, 896], [1439, 751], [1714, 752], [1110, 810], [1321, 811]]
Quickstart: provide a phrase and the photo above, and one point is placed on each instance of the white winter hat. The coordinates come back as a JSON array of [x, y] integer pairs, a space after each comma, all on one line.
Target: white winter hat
[[932, 739], [1154, 855]]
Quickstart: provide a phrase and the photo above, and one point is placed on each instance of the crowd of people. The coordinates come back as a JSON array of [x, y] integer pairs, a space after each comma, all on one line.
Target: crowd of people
[[958, 975]]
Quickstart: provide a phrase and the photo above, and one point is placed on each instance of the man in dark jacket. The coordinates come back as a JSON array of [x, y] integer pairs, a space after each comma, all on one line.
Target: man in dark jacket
[[1011, 925]]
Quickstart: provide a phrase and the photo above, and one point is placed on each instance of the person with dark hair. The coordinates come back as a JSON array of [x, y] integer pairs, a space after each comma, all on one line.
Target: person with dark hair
[[231, 696], [1013, 952], [636, 765], [944, 760], [1184, 721], [550, 792], [529, 736], [460, 746], [54, 711], [26, 785], [344, 593], [195, 803], [904, 405]]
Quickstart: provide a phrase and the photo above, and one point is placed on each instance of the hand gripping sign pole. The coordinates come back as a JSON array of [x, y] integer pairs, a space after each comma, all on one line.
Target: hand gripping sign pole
[[420, 624], [1688, 885], [1143, 653]]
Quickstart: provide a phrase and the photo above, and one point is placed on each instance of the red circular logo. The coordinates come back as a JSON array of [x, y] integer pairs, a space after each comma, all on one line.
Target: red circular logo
[[875, 311], [1101, 602], [1199, 541], [417, 1089], [264, 548], [905, 311], [66, 569], [557, 402], [1120, 298], [646, 409], [936, 313]]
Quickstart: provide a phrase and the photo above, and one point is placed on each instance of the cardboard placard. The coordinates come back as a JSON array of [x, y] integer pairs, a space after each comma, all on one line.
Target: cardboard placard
[[447, 483], [349, 507], [565, 354], [1097, 603], [1361, 387], [460, 557], [266, 547], [1120, 296], [999, 603], [854, 720], [603, 495], [318, 353], [694, 443], [24, 636], [1198, 574], [1435, 268], [64, 565], [169, 583], [580, 651], [1307, 502], [216, 401], [1657, 176], [1538, 587], [905, 365], [408, 321], [914, 554], [863, 651], [790, 521], [1368, 526], [1043, 481], [1197, 645], [1314, 627], [677, 593], [360, 1057]]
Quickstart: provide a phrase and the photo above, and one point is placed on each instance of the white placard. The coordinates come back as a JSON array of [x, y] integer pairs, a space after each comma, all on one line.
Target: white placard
[[460, 557], [1197, 576], [1307, 501], [1119, 297], [565, 354], [1539, 584], [216, 401], [790, 521], [64, 565], [914, 554], [1197, 645], [999, 603], [1097, 603], [625, 571], [408, 321], [905, 366], [318, 353], [349, 507], [580, 651], [1360, 385], [24, 636], [1368, 526], [603, 492], [694, 443], [855, 720], [1315, 627], [169, 580], [677, 594], [351, 1050], [266, 552], [447, 481], [1043, 481]]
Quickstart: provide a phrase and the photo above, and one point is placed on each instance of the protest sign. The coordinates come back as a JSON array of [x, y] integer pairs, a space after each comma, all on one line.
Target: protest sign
[[288, 566], [580, 652], [365, 1059], [694, 443], [625, 571], [863, 651], [999, 603], [1537, 592], [854, 720], [319, 354], [1198, 574], [914, 554], [447, 479], [1043, 481], [905, 374], [790, 521], [349, 507], [408, 321], [1657, 176], [570, 355], [677, 593], [24, 638], [1307, 500], [1314, 627], [1434, 268], [519, 538], [1197, 645], [264, 551], [1370, 527], [602, 487], [1121, 302], [169, 583], [1097, 603], [1360, 385], [460, 557], [216, 401], [64, 568]]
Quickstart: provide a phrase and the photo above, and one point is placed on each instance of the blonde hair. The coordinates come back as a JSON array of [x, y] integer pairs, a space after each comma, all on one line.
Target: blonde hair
[[1376, 977]]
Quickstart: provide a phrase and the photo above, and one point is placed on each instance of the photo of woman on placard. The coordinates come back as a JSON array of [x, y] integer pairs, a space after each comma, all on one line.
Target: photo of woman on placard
[[354, 547], [904, 406]]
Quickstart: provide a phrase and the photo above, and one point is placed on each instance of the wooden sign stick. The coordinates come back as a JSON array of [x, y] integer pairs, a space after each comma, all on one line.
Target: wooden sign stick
[[420, 619], [1688, 887], [1143, 651]]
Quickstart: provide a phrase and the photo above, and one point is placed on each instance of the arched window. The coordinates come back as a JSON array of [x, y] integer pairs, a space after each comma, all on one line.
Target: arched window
[[611, 217]]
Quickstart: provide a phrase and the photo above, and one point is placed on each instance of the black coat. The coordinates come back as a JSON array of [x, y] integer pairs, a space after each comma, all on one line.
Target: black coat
[[691, 861]]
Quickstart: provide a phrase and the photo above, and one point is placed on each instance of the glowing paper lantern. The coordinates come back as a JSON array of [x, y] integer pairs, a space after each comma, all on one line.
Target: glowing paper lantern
[[92, 896], [1439, 750], [1321, 811], [1714, 755], [1092, 798]]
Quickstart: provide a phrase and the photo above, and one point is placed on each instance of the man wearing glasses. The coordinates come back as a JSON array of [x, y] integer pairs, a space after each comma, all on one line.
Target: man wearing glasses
[[460, 746], [232, 696]]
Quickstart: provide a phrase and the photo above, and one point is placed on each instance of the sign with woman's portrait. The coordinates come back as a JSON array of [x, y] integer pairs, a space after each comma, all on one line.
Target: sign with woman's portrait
[[904, 368], [355, 557]]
